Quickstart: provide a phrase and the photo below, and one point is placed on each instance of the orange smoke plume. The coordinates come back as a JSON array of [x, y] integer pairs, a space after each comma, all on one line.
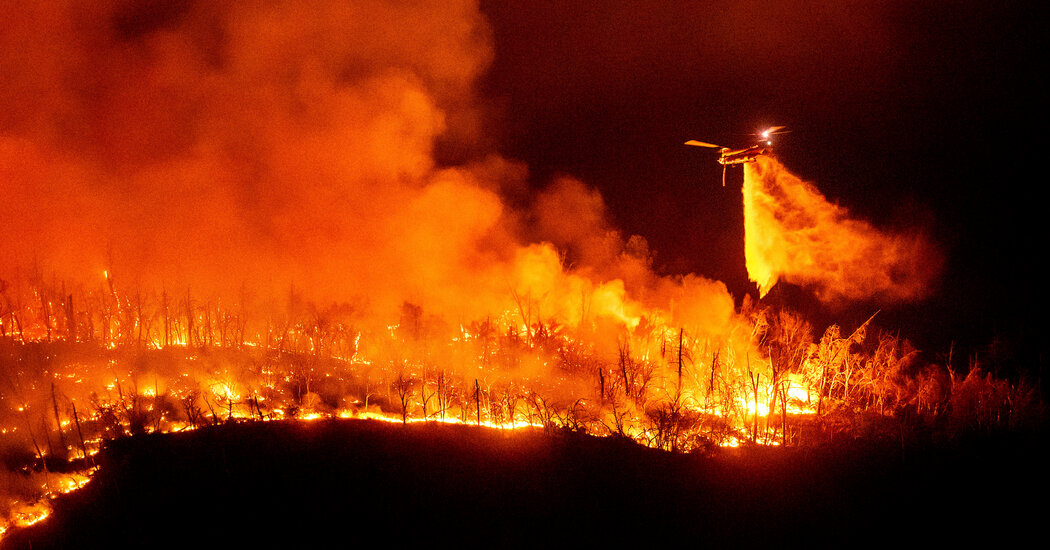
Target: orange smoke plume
[[285, 142], [236, 151], [793, 233]]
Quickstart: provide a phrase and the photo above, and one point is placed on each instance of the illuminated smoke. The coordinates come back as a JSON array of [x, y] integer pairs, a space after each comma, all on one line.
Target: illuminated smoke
[[271, 143], [243, 148], [793, 233]]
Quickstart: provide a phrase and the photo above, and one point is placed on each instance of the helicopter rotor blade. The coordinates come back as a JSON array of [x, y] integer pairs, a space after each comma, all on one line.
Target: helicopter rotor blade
[[771, 131], [696, 143]]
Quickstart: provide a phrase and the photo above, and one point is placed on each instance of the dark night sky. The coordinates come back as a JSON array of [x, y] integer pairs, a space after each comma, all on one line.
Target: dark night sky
[[921, 115]]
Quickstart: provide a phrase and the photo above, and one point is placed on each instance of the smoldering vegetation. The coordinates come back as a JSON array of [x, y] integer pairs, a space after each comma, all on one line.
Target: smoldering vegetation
[[80, 378], [220, 216]]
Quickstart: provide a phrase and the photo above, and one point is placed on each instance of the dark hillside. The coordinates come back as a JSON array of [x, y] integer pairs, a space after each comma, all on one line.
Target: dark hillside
[[349, 483]]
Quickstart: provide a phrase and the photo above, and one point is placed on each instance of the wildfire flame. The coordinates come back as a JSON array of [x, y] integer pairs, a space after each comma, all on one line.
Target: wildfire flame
[[233, 213]]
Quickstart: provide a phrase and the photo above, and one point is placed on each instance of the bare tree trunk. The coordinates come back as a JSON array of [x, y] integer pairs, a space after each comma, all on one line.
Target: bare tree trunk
[[207, 324], [189, 320], [755, 378], [47, 437], [39, 453], [214, 417], [714, 367], [821, 389], [80, 433], [139, 319], [442, 398], [526, 314], [166, 320], [58, 420], [625, 354], [71, 321], [601, 385], [45, 310], [21, 330], [477, 399], [783, 415], [681, 333]]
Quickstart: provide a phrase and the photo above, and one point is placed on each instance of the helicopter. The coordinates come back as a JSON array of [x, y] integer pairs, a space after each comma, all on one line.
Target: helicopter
[[729, 156]]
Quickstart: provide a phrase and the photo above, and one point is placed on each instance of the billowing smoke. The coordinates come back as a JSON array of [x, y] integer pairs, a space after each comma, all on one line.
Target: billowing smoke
[[259, 178], [288, 143], [794, 234], [272, 142]]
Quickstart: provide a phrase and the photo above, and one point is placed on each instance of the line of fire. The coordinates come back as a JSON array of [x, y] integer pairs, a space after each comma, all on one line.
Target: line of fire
[[265, 215], [89, 363]]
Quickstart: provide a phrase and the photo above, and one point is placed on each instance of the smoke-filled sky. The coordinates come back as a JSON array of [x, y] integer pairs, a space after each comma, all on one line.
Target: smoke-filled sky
[[391, 146]]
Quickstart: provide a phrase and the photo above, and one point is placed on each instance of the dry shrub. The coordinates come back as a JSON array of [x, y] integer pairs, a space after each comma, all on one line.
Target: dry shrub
[[983, 403]]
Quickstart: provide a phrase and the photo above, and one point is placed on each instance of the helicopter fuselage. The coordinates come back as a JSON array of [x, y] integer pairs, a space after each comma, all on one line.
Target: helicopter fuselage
[[740, 156]]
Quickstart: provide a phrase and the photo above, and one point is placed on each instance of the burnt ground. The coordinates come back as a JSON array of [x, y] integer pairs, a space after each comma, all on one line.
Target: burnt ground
[[349, 483]]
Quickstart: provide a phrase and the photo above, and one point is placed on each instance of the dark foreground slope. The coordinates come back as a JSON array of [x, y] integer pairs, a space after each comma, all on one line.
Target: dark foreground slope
[[363, 483]]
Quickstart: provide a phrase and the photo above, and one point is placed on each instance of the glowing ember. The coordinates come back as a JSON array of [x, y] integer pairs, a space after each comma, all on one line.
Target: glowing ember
[[22, 514], [308, 258]]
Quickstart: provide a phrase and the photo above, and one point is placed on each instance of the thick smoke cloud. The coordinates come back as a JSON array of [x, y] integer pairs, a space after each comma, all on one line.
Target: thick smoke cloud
[[261, 141], [271, 144]]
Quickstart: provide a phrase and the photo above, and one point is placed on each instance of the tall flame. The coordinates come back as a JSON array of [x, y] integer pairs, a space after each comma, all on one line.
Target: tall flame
[[234, 212]]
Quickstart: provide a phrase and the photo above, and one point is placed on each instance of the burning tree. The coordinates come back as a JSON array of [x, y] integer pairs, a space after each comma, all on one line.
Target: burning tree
[[173, 259]]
